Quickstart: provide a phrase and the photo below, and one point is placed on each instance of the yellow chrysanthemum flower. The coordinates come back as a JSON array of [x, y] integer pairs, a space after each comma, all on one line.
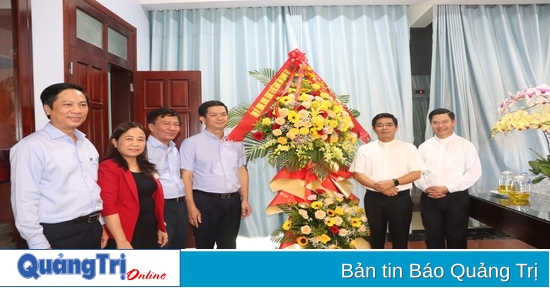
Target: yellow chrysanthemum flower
[[316, 87], [317, 120], [293, 116], [282, 140], [337, 109], [302, 241], [285, 99], [316, 205], [304, 130], [344, 128], [339, 210], [287, 225], [325, 238], [266, 121], [352, 243]]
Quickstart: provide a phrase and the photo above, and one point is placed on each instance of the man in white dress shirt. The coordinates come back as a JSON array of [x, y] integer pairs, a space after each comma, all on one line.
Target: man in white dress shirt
[[54, 194], [216, 180], [164, 124], [387, 167], [453, 167]]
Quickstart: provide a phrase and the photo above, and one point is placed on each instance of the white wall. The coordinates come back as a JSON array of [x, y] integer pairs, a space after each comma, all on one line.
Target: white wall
[[47, 42], [47, 46]]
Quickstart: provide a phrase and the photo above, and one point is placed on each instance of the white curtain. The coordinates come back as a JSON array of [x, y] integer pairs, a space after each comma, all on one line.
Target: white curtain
[[362, 51], [480, 55]]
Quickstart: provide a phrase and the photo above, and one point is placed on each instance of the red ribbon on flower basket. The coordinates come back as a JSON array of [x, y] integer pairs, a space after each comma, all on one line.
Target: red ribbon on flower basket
[[279, 85], [295, 187]]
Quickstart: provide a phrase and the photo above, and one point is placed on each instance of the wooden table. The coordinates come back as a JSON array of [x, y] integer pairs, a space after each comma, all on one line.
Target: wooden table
[[529, 224]]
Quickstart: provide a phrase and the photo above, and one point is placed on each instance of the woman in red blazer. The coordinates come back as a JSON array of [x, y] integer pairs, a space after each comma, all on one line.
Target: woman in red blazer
[[133, 200]]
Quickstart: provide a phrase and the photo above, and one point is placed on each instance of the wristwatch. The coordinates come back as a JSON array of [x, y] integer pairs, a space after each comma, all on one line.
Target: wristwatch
[[395, 182]]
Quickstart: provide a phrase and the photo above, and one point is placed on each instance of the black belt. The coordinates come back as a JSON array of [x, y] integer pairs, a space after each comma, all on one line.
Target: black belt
[[217, 195], [88, 218], [177, 200], [402, 192]]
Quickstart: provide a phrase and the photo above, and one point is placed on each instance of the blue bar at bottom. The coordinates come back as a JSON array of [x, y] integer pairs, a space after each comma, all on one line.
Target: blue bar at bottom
[[364, 268]]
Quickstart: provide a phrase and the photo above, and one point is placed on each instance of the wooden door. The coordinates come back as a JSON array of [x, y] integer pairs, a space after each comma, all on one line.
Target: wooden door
[[122, 96], [90, 72], [178, 90]]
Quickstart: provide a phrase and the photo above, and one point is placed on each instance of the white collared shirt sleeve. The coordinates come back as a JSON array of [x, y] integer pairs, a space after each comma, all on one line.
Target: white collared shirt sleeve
[[26, 172], [471, 172]]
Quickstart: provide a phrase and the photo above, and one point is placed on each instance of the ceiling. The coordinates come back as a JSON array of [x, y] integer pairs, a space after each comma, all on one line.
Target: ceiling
[[184, 4], [421, 11]]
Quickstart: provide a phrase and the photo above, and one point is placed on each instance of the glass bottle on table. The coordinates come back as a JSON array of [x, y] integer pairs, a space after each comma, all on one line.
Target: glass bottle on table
[[505, 182], [519, 194]]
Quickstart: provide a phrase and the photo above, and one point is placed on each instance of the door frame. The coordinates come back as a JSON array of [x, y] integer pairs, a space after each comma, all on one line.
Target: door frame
[[115, 67]]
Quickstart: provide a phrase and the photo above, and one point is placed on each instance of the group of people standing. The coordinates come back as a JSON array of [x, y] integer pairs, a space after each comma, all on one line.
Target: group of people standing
[[443, 167], [145, 191], [141, 194]]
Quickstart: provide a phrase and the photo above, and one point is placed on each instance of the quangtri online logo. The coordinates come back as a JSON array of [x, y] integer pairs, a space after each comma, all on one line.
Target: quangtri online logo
[[29, 266], [94, 267]]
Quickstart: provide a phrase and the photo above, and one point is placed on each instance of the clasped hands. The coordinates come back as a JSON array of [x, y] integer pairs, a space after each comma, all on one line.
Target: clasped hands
[[437, 192], [386, 187]]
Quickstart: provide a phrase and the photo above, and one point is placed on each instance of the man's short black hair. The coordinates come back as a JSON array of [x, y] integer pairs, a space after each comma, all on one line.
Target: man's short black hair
[[203, 109], [384, 115], [49, 95], [439, 111], [162, 112]]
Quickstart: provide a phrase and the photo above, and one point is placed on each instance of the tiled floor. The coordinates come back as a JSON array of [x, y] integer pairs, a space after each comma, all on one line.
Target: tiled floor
[[479, 238]]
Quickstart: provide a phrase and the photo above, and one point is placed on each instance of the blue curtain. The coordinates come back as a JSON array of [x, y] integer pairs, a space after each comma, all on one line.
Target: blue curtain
[[361, 51], [481, 55]]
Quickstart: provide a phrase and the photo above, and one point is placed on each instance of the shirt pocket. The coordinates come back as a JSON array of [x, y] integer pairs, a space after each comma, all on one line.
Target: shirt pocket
[[231, 158]]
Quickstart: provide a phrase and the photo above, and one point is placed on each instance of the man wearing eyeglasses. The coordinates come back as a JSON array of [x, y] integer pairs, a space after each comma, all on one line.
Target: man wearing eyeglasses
[[387, 167]]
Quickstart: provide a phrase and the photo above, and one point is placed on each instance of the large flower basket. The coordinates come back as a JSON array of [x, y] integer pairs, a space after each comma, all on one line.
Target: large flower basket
[[308, 133]]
